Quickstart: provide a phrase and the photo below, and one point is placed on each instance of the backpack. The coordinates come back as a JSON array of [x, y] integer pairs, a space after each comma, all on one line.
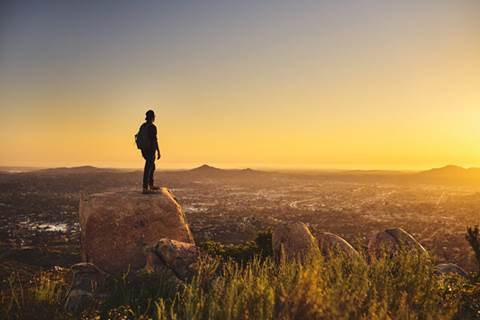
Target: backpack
[[141, 138]]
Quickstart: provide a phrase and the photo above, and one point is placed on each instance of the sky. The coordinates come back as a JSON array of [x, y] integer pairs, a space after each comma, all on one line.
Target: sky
[[354, 84]]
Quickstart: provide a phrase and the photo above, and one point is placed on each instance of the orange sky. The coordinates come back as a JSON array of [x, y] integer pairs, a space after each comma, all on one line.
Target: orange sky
[[368, 84]]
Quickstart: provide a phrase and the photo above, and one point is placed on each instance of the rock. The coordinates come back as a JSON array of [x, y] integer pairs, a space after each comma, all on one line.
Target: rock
[[392, 241], [332, 243], [86, 287], [116, 226], [445, 268], [153, 262], [78, 301], [156, 265], [180, 257], [292, 239]]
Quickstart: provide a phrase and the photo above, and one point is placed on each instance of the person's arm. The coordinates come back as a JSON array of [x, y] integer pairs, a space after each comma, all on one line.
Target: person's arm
[[155, 142]]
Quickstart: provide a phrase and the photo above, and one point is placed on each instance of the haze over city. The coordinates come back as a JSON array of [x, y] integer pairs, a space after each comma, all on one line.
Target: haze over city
[[299, 84]]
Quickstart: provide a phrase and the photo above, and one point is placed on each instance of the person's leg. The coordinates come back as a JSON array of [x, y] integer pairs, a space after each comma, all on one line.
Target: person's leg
[[152, 171], [146, 170]]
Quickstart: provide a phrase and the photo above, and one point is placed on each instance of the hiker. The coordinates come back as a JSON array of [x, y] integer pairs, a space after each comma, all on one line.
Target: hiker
[[146, 140]]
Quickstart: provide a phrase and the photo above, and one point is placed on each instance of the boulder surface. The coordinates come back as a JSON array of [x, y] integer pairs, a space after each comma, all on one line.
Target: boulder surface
[[392, 241], [331, 243], [116, 226], [180, 257], [292, 239]]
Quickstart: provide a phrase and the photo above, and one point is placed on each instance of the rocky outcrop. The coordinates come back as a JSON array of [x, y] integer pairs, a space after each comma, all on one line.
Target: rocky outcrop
[[179, 257], [392, 241], [292, 239], [116, 226], [330, 243]]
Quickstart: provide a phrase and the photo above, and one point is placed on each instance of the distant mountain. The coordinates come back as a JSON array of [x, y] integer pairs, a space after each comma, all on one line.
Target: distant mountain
[[447, 175], [74, 170], [371, 172], [206, 169], [451, 172], [9, 169]]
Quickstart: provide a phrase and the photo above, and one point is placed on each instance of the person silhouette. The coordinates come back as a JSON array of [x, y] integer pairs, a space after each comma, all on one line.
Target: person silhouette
[[147, 142]]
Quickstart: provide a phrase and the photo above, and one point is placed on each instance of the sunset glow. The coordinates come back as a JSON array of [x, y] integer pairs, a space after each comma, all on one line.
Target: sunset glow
[[308, 84]]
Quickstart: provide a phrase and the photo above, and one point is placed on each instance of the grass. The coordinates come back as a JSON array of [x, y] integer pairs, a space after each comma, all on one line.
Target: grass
[[253, 286], [38, 297]]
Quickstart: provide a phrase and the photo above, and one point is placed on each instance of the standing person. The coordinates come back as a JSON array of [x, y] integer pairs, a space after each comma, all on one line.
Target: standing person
[[147, 142]]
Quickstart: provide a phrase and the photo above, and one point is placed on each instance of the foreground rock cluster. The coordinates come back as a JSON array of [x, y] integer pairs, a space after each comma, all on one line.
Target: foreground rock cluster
[[128, 232], [294, 240], [124, 232], [117, 226]]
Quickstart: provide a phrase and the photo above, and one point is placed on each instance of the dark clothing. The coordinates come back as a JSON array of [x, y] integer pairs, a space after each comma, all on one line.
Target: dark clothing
[[149, 169], [151, 130], [148, 154]]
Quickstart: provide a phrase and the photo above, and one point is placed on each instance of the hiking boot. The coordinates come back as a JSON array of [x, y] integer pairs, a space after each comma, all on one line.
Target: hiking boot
[[147, 191]]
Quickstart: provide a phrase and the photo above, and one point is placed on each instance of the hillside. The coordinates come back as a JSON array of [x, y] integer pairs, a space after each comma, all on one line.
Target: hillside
[[451, 174], [73, 170], [207, 171]]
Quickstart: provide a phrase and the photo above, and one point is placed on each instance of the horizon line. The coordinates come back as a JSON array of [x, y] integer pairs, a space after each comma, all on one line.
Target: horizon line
[[176, 166]]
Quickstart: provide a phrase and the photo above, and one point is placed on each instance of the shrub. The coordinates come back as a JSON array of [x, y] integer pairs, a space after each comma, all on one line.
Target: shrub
[[260, 246], [473, 239]]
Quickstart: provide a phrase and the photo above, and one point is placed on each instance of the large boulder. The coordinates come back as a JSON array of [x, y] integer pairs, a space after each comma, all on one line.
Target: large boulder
[[116, 226], [330, 243], [292, 239], [179, 257], [391, 241]]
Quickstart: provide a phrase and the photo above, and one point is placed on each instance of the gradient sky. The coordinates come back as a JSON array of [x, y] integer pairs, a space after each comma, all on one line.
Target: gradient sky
[[326, 84]]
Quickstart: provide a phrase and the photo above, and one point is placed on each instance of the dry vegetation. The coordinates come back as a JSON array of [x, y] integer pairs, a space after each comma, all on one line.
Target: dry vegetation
[[403, 287], [225, 212]]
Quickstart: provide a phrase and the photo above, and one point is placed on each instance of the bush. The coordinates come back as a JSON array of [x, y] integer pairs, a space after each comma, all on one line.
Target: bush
[[261, 246], [473, 239]]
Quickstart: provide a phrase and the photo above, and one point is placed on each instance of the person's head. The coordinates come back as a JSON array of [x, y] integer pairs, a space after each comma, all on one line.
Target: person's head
[[150, 116]]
